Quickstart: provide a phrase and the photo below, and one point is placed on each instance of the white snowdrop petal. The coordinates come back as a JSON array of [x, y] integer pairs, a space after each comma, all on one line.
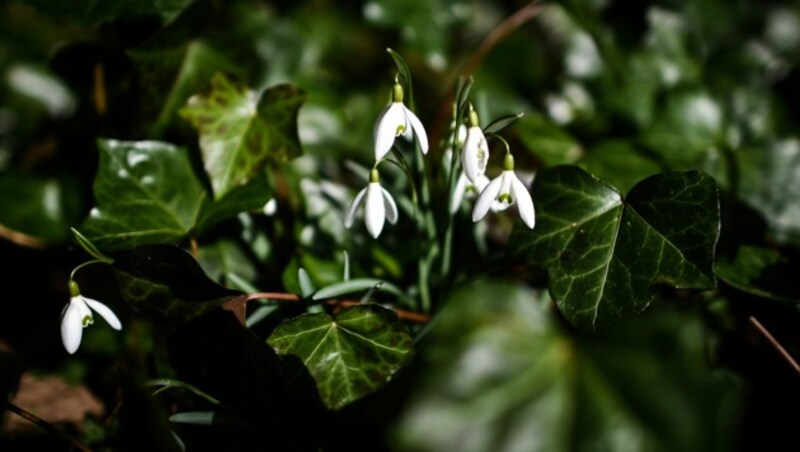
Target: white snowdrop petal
[[386, 128], [351, 211], [374, 210], [71, 327], [390, 206], [105, 312], [524, 202], [419, 131], [458, 193], [487, 196], [475, 154]]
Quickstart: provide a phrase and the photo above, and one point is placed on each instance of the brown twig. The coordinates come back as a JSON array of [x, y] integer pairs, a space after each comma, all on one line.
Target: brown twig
[[100, 103], [22, 239], [237, 305], [46, 426], [777, 345], [499, 33]]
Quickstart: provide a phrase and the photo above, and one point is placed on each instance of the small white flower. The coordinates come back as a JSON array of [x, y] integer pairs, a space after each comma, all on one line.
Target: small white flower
[[396, 120], [378, 206], [77, 315], [475, 153], [502, 192], [466, 189]]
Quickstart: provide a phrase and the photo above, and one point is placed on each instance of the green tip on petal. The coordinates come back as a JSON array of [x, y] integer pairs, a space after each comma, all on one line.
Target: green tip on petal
[[74, 289], [473, 117], [374, 176], [397, 92], [508, 163]]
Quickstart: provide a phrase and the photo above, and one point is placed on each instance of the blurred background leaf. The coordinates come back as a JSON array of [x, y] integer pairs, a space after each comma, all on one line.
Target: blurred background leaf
[[499, 373]]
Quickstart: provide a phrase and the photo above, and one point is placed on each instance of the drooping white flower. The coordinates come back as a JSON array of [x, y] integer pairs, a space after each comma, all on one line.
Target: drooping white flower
[[504, 191], [77, 315], [466, 189], [378, 206], [396, 120], [475, 153]]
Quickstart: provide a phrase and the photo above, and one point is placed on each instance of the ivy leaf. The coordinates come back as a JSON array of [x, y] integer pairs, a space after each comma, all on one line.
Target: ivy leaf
[[606, 255], [147, 192], [762, 272], [92, 11], [185, 69], [166, 282], [241, 132], [498, 373], [348, 356]]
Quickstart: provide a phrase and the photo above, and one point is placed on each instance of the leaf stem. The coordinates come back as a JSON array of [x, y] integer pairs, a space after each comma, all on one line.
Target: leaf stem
[[86, 264], [46, 426], [774, 342]]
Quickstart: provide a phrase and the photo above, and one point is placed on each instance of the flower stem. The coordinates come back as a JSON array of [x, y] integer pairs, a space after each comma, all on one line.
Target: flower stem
[[86, 264]]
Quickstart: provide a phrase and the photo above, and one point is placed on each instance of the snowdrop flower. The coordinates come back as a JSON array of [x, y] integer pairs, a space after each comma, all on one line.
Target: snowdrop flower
[[396, 120], [502, 192], [378, 206], [77, 315], [465, 188], [475, 153]]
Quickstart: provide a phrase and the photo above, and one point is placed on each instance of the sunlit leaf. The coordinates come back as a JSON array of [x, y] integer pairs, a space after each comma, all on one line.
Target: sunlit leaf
[[167, 283], [183, 70], [242, 131], [499, 373], [762, 272], [348, 356], [606, 255]]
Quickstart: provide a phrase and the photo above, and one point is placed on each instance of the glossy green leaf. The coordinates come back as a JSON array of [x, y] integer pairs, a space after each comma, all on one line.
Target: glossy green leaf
[[690, 124], [39, 209], [167, 283], [497, 372], [147, 192], [241, 132], [349, 356], [762, 272], [547, 141], [184, 69], [606, 255], [227, 261], [619, 163]]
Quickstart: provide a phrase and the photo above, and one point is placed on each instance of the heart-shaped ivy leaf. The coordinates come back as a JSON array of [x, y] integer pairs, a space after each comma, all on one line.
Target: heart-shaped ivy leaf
[[147, 192], [606, 255], [348, 356], [241, 132], [167, 283]]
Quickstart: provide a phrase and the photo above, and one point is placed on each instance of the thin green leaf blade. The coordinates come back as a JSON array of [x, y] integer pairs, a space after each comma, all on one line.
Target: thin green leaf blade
[[349, 356]]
